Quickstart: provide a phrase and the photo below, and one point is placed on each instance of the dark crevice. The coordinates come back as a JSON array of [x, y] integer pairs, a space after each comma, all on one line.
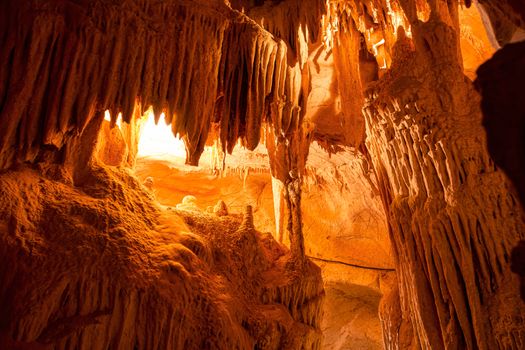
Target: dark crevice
[[349, 264]]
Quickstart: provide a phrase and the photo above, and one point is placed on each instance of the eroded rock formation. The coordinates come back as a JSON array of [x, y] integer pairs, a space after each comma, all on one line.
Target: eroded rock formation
[[424, 136], [375, 167], [99, 266]]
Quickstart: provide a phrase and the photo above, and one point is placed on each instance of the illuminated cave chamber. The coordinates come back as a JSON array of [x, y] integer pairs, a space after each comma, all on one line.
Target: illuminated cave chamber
[[238, 180], [349, 242], [210, 174]]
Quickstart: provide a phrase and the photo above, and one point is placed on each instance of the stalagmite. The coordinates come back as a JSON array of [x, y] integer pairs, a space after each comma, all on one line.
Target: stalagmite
[[278, 205], [220, 209]]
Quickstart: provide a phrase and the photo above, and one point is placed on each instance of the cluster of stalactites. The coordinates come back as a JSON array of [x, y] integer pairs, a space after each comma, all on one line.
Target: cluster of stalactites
[[378, 21], [296, 22], [198, 63]]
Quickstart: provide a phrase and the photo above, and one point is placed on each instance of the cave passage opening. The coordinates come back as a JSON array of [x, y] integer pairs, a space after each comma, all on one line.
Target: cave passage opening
[[156, 140], [239, 179]]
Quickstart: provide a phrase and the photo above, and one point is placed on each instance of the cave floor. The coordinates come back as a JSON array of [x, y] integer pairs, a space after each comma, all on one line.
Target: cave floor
[[350, 317]]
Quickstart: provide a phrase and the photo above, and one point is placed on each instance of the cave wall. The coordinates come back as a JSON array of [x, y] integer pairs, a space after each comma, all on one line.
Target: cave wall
[[477, 44], [83, 240], [68, 62], [100, 266], [343, 215], [427, 146], [346, 234], [452, 218]]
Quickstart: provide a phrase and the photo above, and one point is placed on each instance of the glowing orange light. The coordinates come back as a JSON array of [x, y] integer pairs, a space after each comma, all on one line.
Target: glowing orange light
[[107, 116], [158, 141]]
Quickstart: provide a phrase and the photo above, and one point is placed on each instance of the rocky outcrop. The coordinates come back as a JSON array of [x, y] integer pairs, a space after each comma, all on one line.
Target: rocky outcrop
[[100, 266]]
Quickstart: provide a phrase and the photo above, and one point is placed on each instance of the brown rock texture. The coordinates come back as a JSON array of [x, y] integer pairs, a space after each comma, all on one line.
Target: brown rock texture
[[364, 159], [425, 139], [118, 51], [100, 266]]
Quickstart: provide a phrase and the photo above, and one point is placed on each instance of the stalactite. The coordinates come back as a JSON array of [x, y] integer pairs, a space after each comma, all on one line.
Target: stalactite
[[347, 50], [425, 139], [161, 53], [296, 22], [196, 64]]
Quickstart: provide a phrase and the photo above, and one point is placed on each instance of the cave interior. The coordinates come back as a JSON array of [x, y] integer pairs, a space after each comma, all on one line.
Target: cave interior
[[262, 174]]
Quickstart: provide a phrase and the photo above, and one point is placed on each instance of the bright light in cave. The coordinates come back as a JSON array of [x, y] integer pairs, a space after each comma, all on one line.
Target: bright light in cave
[[158, 141], [107, 116]]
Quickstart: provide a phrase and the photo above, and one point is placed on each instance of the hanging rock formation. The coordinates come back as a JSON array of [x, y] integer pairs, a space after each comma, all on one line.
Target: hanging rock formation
[[91, 259], [119, 51], [158, 54], [424, 136]]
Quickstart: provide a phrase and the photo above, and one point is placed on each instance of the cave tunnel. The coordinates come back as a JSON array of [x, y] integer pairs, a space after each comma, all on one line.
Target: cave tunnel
[[270, 174]]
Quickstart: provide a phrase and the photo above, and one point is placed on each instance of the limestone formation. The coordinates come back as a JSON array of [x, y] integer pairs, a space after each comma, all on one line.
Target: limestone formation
[[379, 144], [188, 203], [148, 183], [220, 208]]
